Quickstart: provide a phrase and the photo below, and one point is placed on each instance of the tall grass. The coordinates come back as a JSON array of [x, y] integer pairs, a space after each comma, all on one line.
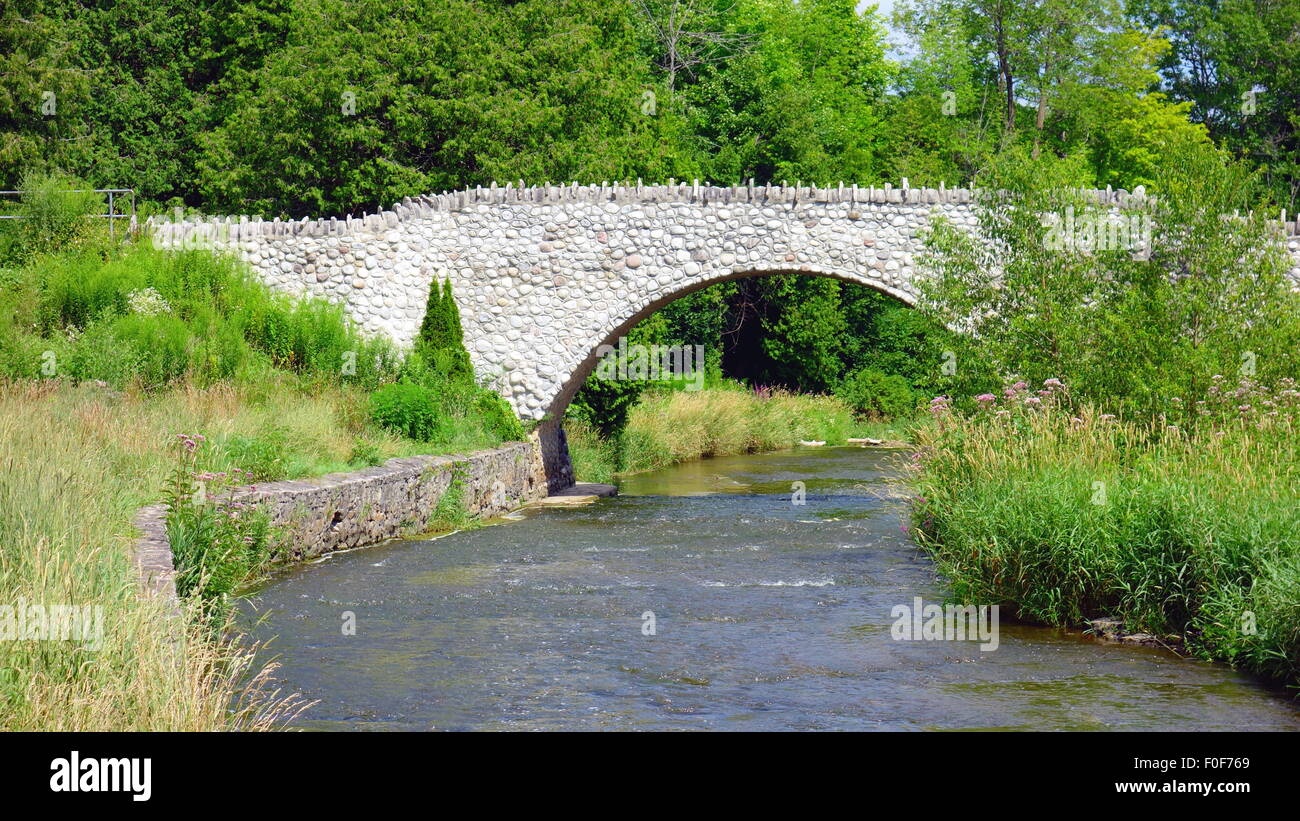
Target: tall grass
[[134, 314], [667, 427], [1067, 515], [75, 464]]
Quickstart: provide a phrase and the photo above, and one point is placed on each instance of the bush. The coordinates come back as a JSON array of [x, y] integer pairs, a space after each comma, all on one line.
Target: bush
[[151, 351], [219, 544], [497, 415], [209, 311], [441, 341], [365, 452], [872, 393], [1150, 313], [53, 217], [407, 409]]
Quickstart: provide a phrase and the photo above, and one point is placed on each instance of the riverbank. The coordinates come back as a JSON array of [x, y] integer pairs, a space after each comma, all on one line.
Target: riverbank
[[669, 427], [76, 464], [131, 376], [1069, 516], [415, 496]]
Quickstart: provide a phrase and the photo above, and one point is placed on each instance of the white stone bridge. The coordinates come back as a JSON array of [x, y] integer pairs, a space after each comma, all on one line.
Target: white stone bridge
[[544, 276]]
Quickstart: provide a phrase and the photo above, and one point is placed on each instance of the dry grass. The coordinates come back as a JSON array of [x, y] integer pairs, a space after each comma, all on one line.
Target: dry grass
[[75, 464]]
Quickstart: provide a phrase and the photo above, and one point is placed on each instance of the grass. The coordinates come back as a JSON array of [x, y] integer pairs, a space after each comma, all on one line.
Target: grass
[[109, 352], [1189, 530], [668, 427], [76, 464]]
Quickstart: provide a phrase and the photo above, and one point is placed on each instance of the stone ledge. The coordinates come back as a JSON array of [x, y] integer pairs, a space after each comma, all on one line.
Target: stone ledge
[[583, 493], [341, 511]]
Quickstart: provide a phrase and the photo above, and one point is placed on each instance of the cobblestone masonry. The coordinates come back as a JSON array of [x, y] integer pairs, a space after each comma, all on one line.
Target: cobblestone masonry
[[345, 510], [545, 275]]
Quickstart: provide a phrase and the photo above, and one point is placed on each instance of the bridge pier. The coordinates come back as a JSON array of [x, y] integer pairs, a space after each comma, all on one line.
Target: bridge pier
[[552, 467]]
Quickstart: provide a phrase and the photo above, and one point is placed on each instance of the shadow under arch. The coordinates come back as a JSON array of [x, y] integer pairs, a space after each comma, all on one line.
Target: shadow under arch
[[554, 444]]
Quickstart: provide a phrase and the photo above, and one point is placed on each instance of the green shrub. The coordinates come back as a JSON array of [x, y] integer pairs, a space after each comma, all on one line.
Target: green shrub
[[365, 452], [497, 415], [54, 218], [441, 341], [219, 543], [872, 393], [407, 409], [149, 350], [235, 327]]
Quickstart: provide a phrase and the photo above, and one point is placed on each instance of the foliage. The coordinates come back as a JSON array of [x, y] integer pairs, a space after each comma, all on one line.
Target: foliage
[[798, 96], [1067, 514], [436, 391], [132, 315], [1122, 319], [367, 102], [665, 427], [441, 340], [1237, 63], [408, 409], [603, 403], [52, 215], [218, 542], [877, 395], [498, 418]]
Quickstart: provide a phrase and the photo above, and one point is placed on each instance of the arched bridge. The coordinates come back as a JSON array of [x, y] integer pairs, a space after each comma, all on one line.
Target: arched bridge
[[543, 276]]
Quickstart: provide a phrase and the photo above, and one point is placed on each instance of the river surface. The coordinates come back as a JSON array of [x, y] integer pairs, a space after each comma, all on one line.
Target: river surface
[[767, 615]]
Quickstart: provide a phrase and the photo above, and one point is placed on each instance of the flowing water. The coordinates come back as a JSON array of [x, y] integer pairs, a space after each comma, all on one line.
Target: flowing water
[[702, 598]]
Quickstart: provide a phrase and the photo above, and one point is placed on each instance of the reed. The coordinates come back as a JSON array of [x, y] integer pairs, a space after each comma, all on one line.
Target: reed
[[1185, 525]]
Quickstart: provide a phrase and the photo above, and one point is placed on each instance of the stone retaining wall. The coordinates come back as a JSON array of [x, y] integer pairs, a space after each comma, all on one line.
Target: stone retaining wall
[[346, 510]]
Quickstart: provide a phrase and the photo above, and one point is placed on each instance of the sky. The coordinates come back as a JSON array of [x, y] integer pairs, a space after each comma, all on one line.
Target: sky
[[886, 6]]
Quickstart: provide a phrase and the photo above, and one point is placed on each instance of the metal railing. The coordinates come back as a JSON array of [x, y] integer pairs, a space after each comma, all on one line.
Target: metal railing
[[113, 214]]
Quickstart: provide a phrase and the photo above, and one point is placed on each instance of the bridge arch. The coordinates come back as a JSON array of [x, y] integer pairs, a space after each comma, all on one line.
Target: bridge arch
[[621, 325]]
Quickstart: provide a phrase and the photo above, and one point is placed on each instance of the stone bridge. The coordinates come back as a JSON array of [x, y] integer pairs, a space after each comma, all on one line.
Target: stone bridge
[[544, 276]]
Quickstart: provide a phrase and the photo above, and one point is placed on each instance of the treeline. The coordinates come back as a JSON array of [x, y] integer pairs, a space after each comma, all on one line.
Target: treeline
[[319, 107], [296, 107]]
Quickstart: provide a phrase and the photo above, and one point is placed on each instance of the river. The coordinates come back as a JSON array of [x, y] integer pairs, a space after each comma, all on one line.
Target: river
[[702, 598]]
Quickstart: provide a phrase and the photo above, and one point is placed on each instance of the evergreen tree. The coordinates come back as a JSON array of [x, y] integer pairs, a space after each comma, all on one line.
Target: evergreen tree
[[441, 341], [432, 333]]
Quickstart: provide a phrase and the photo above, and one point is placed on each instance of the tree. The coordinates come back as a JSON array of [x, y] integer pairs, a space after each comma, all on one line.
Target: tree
[[441, 340], [1146, 330], [605, 403], [1238, 63], [786, 330], [943, 116], [801, 102], [40, 85], [688, 34], [367, 103]]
